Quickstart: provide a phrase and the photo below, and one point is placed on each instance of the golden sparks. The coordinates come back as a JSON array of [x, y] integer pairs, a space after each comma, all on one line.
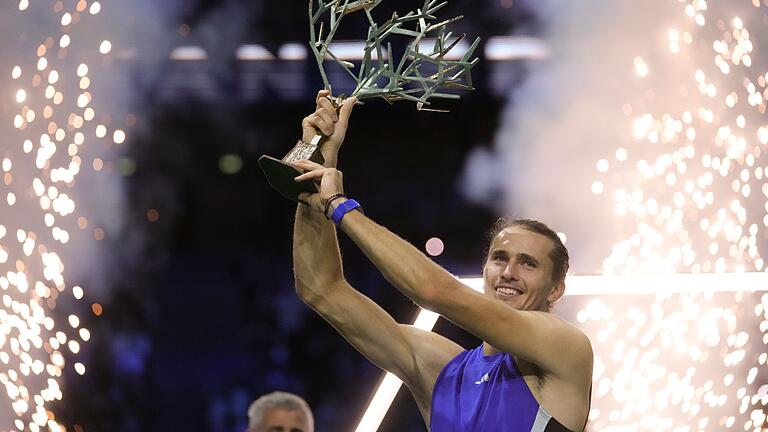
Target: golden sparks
[[690, 190], [52, 127]]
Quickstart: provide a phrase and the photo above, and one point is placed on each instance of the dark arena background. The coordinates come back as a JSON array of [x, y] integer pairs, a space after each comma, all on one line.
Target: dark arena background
[[145, 264]]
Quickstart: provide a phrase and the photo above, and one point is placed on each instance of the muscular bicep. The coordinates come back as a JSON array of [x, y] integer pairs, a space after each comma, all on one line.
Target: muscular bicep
[[411, 354]]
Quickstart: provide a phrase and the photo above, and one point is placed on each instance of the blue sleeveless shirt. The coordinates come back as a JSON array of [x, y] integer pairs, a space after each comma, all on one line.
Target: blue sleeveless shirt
[[478, 393]]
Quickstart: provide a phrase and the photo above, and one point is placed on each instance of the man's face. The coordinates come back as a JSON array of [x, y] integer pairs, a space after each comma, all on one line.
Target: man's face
[[283, 420], [518, 270]]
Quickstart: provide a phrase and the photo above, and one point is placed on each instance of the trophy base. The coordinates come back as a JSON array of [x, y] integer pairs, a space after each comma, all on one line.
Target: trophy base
[[280, 176]]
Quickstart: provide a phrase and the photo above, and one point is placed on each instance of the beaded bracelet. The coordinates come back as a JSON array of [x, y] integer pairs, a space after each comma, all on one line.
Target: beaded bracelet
[[331, 199]]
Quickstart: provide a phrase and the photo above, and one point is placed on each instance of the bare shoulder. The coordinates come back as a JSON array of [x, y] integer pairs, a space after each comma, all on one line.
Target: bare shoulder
[[556, 346], [571, 330], [577, 346], [562, 383]]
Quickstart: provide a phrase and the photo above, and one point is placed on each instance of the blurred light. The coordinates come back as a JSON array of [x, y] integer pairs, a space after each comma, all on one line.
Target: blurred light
[[105, 47], [350, 50], [230, 163], [97, 309], [126, 166], [253, 52], [189, 53], [641, 68], [292, 51], [382, 400], [118, 136], [153, 215], [563, 237], [505, 48], [497, 48], [434, 246], [427, 46]]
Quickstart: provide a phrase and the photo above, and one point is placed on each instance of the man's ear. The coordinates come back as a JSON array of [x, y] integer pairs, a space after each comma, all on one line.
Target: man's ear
[[557, 291]]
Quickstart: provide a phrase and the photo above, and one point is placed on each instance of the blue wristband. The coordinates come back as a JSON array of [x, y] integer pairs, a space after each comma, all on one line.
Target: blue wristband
[[344, 208]]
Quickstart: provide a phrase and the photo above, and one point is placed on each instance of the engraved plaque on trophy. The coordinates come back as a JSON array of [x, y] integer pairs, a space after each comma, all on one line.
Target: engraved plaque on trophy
[[418, 74]]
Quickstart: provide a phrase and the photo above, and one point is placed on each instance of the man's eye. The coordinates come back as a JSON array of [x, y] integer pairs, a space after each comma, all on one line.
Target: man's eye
[[530, 264]]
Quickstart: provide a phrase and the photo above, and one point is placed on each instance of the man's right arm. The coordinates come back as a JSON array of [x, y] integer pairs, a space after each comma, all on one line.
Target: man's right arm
[[414, 355]]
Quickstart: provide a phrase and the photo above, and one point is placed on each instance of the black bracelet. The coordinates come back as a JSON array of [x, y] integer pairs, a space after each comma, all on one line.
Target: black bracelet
[[331, 199]]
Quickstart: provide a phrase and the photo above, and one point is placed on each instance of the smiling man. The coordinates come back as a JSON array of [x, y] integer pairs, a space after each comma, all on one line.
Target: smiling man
[[533, 371]]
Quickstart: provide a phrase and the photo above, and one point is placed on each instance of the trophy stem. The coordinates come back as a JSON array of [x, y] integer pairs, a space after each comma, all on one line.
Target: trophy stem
[[306, 151]]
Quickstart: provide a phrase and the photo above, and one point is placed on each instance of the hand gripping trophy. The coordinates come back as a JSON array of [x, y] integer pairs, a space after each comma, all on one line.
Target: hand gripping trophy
[[418, 75]]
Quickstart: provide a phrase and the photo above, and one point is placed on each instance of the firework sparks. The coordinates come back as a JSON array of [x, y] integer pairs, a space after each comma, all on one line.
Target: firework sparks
[[692, 190], [695, 201], [54, 122], [677, 361]]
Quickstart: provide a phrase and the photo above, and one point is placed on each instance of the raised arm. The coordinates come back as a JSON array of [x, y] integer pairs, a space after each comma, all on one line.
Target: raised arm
[[538, 337], [413, 355]]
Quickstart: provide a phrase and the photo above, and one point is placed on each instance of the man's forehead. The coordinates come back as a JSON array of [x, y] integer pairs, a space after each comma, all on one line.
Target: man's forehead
[[520, 238], [280, 414]]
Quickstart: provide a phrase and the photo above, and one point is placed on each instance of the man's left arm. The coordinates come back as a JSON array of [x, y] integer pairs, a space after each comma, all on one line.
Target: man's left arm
[[539, 337]]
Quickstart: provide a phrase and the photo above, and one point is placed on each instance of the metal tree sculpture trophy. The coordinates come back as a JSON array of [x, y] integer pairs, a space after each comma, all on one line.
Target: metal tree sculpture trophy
[[380, 75]]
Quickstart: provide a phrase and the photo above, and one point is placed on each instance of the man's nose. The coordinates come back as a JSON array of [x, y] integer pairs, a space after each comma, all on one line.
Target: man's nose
[[510, 271]]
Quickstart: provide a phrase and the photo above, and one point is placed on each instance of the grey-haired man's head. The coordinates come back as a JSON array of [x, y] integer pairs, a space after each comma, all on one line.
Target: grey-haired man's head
[[280, 412]]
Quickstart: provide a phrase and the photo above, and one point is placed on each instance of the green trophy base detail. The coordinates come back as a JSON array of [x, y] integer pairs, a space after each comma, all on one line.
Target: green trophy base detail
[[280, 176]]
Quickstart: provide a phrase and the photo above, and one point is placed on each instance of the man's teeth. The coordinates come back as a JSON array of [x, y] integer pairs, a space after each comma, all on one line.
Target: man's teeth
[[508, 291]]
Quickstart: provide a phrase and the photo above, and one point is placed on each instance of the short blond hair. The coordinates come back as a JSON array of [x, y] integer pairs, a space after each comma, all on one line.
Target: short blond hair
[[278, 399]]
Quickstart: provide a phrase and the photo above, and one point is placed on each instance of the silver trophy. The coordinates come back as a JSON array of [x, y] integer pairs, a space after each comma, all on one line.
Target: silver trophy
[[418, 75]]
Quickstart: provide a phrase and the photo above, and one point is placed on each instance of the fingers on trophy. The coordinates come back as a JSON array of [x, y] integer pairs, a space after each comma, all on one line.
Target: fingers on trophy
[[280, 173], [419, 74]]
